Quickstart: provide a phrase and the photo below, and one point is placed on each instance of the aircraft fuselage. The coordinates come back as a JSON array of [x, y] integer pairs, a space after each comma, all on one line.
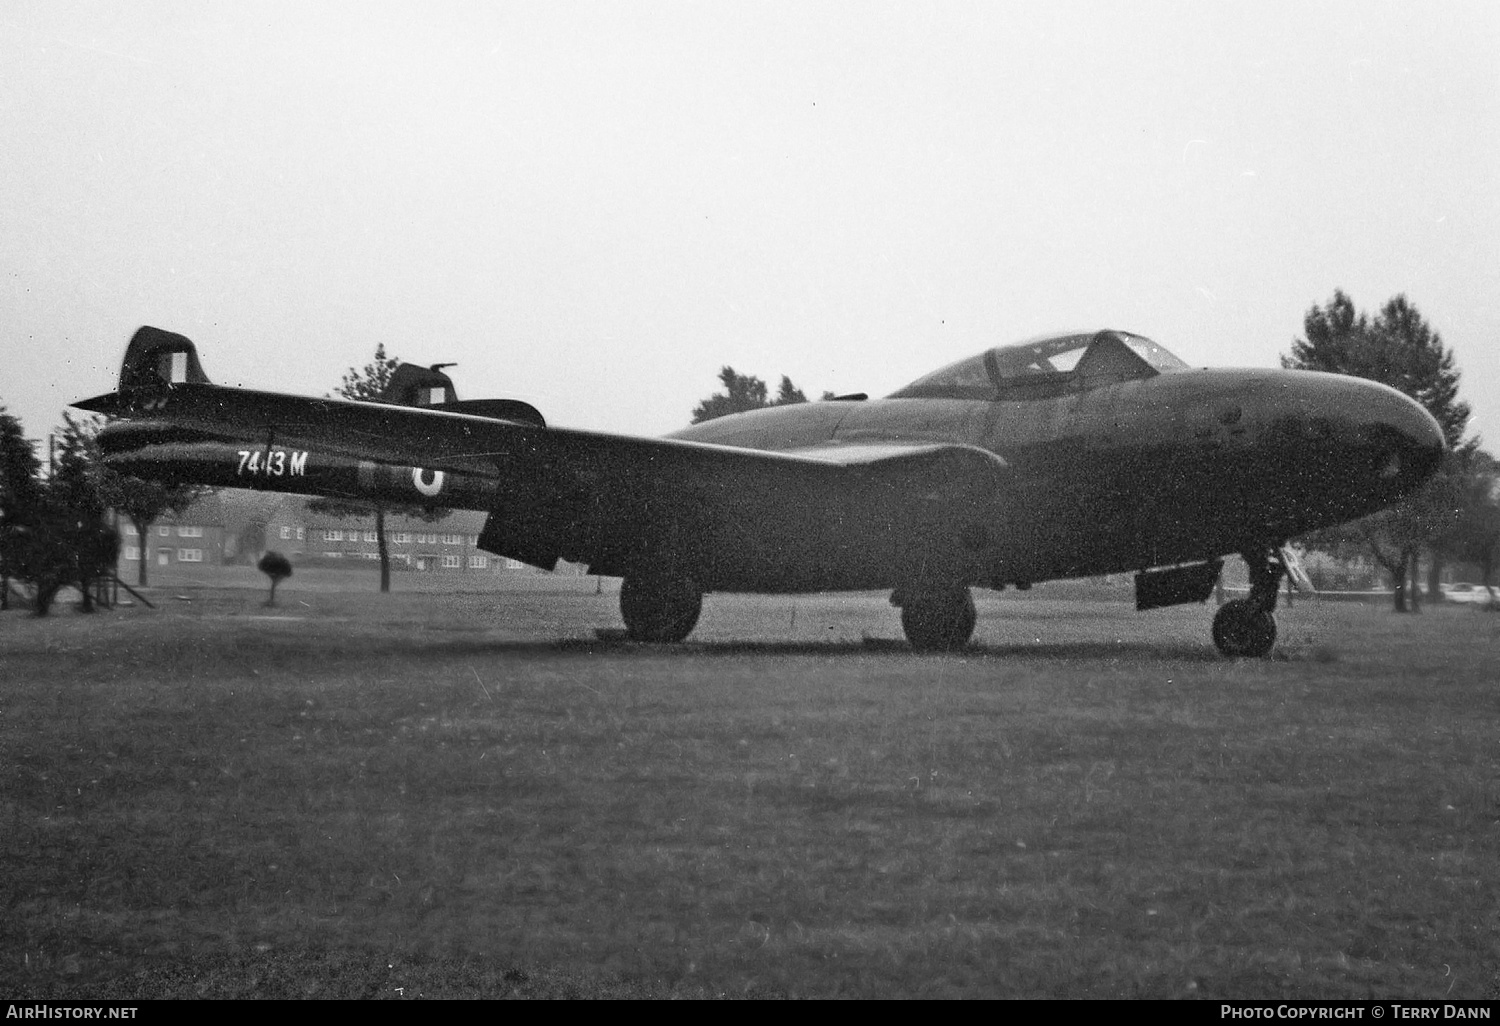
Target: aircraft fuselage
[[1173, 469]]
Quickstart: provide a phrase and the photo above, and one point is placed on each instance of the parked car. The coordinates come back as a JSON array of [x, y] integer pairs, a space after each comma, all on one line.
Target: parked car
[[1477, 594]]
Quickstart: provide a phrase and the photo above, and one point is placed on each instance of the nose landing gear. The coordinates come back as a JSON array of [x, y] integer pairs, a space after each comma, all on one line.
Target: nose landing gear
[[1247, 627]]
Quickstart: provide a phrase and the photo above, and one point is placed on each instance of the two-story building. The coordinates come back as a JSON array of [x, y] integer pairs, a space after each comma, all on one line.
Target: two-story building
[[195, 536]]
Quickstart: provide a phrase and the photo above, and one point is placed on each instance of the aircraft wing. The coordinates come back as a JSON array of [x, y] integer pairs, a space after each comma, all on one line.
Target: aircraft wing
[[616, 501]]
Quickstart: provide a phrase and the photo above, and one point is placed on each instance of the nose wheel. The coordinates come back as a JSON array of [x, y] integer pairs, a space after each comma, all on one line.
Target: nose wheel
[[1246, 628], [1241, 630]]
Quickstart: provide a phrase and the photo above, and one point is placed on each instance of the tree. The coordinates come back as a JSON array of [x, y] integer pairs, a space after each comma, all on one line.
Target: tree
[[64, 539], [369, 385], [1475, 537], [53, 533], [744, 392], [277, 567], [76, 509], [1398, 348], [788, 394], [20, 498]]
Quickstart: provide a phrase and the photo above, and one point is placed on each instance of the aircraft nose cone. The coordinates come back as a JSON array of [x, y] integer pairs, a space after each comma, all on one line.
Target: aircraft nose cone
[[1407, 441], [1342, 447]]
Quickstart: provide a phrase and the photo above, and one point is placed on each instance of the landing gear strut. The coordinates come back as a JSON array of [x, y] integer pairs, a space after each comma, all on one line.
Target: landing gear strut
[[660, 609], [936, 620], [1246, 627]]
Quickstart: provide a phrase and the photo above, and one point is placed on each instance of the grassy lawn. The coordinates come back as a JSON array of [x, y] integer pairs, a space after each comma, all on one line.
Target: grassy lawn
[[444, 794]]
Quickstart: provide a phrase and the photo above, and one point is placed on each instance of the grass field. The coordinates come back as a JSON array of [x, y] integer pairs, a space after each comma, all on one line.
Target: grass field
[[429, 794]]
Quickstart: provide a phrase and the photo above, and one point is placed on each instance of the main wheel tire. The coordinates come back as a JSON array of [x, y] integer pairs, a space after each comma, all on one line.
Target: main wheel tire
[[1240, 630], [938, 621], [663, 610]]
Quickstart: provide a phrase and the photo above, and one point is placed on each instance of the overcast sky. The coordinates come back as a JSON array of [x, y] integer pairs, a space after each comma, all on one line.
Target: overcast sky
[[595, 206]]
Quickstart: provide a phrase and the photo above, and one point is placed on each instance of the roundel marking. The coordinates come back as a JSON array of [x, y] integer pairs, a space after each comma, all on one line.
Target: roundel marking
[[429, 488]]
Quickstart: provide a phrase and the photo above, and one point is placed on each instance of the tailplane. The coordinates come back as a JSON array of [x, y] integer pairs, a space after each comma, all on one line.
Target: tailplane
[[157, 360]]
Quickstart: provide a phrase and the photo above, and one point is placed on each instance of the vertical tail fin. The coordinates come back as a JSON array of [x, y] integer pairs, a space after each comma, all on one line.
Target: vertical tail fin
[[412, 385], [155, 358]]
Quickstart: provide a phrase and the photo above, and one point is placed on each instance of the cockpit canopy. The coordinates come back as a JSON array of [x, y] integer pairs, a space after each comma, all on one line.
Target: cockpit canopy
[[1045, 368]]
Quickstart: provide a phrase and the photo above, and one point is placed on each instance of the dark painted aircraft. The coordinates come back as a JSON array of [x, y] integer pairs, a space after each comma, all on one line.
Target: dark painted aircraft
[[1068, 456]]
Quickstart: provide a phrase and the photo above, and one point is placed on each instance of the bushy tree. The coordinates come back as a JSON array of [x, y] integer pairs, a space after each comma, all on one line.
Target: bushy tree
[[63, 538], [744, 392], [369, 384], [1475, 537], [20, 498], [77, 509], [278, 568], [1398, 348]]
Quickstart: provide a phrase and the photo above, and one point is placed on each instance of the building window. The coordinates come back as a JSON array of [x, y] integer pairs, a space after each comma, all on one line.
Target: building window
[[401, 537], [453, 539], [452, 562], [300, 532], [189, 532], [132, 552], [163, 530], [189, 555], [478, 562], [286, 533], [129, 530], [371, 555], [333, 535], [333, 555], [370, 536]]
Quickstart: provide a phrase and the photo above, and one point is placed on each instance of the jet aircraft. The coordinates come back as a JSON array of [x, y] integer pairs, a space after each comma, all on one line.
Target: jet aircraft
[[1072, 455]]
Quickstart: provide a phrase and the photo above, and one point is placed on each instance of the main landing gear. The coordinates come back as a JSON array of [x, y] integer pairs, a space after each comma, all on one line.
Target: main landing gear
[[660, 609], [936, 619], [1246, 627]]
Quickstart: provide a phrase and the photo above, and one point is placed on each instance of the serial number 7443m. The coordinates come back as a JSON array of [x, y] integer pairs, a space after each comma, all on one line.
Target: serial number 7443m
[[272, 463]]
